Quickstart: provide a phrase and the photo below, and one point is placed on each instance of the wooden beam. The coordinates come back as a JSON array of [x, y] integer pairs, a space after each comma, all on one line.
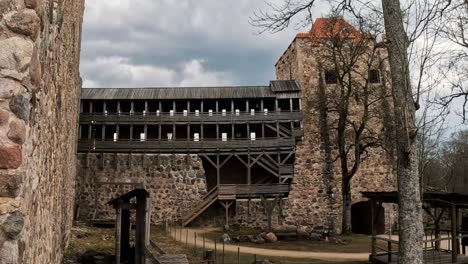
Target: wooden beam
[[226, 206], [125, 234], [453, 222], [269, 206], [241, 160], [118, 234], [225, 161]]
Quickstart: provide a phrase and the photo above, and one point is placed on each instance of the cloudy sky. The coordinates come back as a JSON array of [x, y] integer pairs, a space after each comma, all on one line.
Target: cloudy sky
[[140, 43]]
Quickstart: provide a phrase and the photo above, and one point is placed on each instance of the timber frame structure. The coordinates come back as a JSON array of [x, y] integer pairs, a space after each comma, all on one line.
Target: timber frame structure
[[440, 245], [246, 136]]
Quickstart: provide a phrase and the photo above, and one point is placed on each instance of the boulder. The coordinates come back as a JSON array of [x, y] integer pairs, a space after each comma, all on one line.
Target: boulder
[[225, 238], [244, 238], [270, 237], [259, 240], [303, 232]]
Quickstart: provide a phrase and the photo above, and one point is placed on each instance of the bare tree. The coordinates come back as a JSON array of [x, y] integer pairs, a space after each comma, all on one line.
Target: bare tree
[[405, 101], [353, 102], [455, 29]]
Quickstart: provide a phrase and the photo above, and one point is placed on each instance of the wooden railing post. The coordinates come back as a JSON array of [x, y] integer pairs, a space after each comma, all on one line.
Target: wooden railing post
[[389, 249]]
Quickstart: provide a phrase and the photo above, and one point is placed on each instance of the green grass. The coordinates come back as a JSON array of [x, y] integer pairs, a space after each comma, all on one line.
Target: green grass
[[102, 240], [358, 244]]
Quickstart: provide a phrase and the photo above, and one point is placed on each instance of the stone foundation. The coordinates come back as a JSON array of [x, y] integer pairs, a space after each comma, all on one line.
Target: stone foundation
[[252, 214], [176, 183]]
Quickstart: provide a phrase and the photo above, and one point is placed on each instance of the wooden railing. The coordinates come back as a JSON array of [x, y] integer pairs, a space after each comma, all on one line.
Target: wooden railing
[[176, 146], [431, 245], [253, 189], [148, 118]]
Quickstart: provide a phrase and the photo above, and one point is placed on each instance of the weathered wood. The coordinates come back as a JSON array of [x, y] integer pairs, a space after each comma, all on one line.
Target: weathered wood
[[269, 206], [118, 236], [164, 118], [453, 222]]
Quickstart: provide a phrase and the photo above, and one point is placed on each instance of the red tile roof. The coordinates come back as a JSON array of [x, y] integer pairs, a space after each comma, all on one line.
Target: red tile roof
[[325, 28]]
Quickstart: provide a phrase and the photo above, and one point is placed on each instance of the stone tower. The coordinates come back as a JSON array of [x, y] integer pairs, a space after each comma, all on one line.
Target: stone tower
[[39, 96], [316, 199]]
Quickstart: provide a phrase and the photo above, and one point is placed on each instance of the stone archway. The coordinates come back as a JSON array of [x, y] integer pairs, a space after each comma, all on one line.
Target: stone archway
[[361, 218]]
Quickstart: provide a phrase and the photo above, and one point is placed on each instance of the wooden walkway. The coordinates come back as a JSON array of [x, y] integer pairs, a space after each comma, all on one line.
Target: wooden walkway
[[430, 257]]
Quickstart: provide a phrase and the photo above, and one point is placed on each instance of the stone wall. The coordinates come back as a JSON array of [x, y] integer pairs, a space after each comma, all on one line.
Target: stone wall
[[176, 183], [315, 198], [252, 213], [39, 95]]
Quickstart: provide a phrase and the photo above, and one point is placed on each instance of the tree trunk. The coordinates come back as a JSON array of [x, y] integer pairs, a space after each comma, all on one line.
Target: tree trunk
[[409, 197], [346, 194]]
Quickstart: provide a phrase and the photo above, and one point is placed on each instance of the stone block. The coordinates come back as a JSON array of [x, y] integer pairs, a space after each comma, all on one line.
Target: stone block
[[9, 185], [19, 105], [16, 53], [13, 225], [17, 132], [11, 157], [25, 22]]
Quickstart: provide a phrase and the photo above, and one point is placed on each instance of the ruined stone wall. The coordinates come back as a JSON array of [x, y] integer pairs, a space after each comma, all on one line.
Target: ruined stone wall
[[252, 213], [315, 198], [39, 95], [175, 183]]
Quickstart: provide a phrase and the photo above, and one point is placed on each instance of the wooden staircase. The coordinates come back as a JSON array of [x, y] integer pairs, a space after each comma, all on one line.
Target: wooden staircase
[[207, 201]]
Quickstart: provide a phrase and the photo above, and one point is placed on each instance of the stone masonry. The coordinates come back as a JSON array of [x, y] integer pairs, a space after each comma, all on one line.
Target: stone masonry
[[315, 198], [39, 95], [176, 183]]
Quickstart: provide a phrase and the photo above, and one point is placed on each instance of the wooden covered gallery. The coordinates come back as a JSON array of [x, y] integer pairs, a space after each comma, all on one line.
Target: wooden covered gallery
[[442, 244], [246, 136]]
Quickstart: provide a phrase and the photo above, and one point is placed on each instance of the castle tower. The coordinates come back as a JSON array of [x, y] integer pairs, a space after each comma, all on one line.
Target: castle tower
[[311, 59]]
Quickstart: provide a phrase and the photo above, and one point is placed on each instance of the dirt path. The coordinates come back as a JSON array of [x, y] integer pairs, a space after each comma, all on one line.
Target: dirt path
[[327, 256]]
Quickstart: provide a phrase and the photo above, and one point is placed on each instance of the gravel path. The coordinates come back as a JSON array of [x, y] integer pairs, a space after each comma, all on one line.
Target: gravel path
[[327, 256]]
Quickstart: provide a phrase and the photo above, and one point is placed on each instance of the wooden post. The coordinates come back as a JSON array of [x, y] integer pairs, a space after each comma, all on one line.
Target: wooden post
[[226, 206], [118, 227], [453, 218], [269, 206], [125, 237], [373, 231], [249, 169], [140, 230], [218, 176]]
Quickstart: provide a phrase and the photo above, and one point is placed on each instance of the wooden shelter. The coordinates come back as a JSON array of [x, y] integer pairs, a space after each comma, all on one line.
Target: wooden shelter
[[435, 204], [134, 200]]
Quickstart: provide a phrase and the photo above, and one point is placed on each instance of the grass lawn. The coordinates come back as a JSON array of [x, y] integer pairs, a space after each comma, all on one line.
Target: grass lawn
[[102, 240], [359, 243]]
